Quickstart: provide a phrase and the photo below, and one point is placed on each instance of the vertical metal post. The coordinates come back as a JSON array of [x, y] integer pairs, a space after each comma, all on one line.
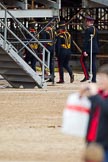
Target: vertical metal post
[[53, 59], [5, 29], [26, 5], [91, 49], [59, 4], [43, 66], [48, 60], [32, 4]]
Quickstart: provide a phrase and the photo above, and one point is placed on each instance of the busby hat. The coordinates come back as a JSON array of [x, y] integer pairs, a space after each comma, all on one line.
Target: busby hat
[[42, 21], [89, 18], [31, 23], [62, 24]]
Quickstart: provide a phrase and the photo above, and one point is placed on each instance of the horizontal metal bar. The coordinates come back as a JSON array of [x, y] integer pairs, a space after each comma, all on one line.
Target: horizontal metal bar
[[24, 45], [30, 13], [42, 41]]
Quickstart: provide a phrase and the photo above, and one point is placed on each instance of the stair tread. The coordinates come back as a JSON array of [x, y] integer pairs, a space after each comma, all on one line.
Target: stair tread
[[23, 84], [12, 71], [19, 78]]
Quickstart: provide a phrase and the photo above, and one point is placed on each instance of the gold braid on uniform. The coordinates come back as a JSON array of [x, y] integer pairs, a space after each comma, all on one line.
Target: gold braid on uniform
[[67, 38], [50, 32]]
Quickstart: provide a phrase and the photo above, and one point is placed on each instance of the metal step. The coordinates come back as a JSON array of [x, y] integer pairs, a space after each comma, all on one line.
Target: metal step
[[19, 78], [5, 58], [23, 84], [15, 71], [7, 64]]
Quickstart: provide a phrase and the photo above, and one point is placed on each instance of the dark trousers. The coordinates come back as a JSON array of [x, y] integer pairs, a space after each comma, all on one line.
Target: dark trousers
[[85, 67], [63, 62], [51, 49], [51, 63], [31, 60]]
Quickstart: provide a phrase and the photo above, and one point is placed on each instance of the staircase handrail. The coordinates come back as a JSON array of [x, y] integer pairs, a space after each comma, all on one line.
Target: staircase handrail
[[38, 34], [21, 43]]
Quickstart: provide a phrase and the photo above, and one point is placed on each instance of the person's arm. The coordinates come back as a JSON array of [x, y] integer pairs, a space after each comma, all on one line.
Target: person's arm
[[57, 46], [91, 91], [86, 40]]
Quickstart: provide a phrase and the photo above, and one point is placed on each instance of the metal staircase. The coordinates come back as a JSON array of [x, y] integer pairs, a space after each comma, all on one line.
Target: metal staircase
[[12, 66], [15, 70]]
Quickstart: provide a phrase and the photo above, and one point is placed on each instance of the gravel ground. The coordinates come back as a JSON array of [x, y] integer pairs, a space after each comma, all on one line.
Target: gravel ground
[[31, 120]]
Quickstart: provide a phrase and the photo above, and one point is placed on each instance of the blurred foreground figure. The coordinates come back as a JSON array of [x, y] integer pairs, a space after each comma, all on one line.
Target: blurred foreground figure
[[93, 153], [98, 120]]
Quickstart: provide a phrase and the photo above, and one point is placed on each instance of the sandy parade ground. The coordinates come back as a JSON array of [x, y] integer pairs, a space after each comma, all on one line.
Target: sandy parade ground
[[31, 120]]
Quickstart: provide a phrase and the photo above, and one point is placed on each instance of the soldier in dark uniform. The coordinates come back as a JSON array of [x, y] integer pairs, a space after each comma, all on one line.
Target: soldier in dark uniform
[[48, 34], [29, 58], [63, 51], [91, 29]]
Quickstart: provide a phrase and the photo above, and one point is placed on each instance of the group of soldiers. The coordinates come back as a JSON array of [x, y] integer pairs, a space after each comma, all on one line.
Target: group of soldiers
[[60, 47]]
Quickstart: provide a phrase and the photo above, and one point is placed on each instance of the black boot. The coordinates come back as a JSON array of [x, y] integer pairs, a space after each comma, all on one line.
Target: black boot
[[71, 78], [60, 81], [83, 80]]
